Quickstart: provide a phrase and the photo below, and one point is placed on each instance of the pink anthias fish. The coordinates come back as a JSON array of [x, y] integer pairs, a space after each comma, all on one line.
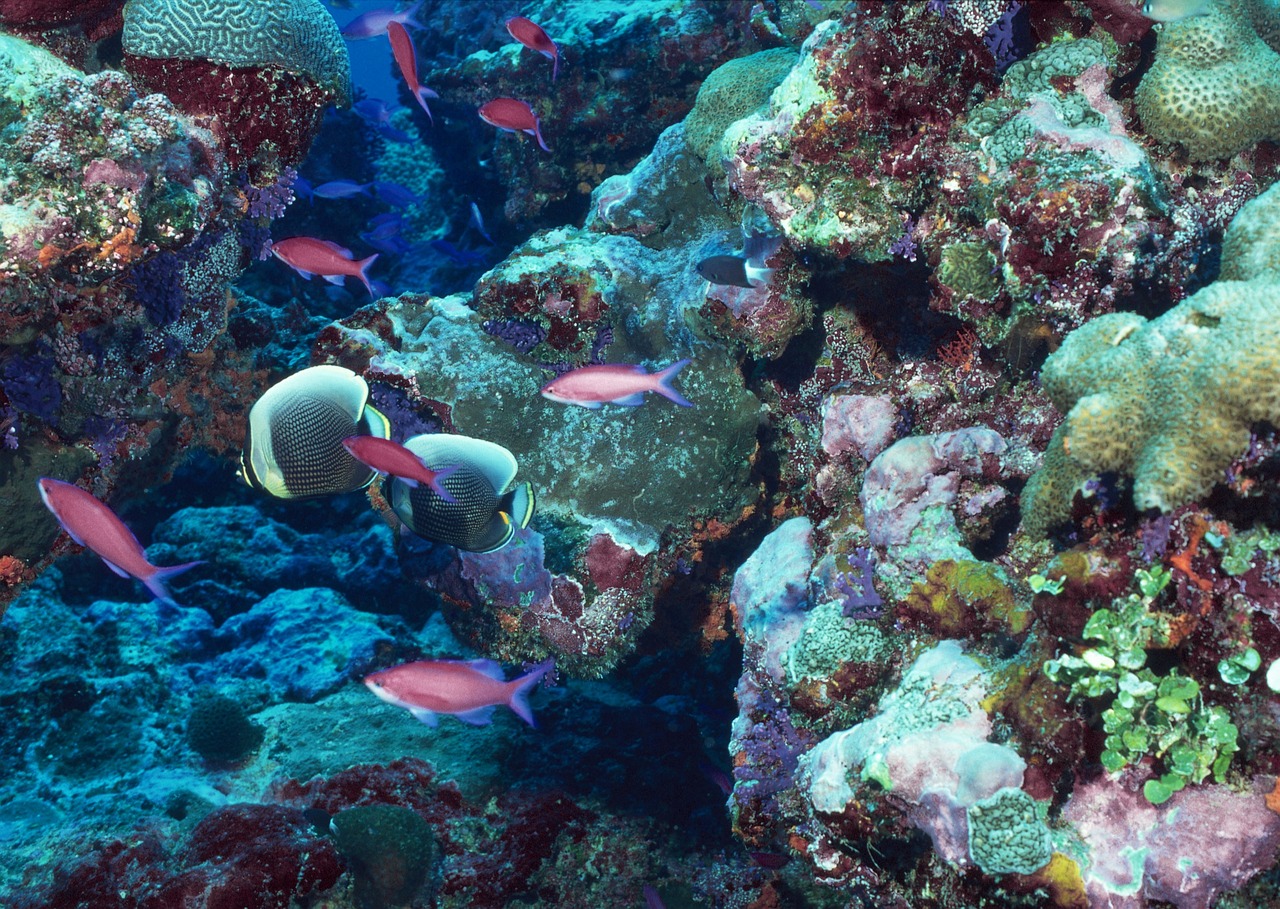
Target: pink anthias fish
[[592, 386], [392, 458], [468, 689], [514, 116], [373, 23], [407, 60], [531, 35], [309, 257], [96, 527]]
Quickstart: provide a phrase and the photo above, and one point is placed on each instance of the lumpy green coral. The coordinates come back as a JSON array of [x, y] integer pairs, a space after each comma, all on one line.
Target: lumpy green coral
[[297, 35], [830, 639], [1214, 87], [1168, 401], [1006, 834]]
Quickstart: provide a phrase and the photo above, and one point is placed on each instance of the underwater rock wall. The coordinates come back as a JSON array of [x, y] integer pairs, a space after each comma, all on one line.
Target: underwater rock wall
[[980, 471]]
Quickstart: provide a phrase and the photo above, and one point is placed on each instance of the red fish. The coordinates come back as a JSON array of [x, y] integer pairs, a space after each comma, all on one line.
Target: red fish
[[407, 60], [96, 527], [309, 256], [531, 35], [387, 457], [513, 115], [592, 386], [468, 689]]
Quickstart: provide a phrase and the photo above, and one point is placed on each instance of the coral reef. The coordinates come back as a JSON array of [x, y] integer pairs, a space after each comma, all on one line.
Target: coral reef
[[958, 583]]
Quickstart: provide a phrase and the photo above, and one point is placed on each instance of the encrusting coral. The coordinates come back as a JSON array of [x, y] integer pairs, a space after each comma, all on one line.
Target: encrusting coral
[[1168, 401]]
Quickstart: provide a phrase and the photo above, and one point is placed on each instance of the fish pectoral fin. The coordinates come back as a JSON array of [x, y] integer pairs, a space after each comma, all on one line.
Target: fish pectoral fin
[[481, 716], [427, 716], [117, 569], [634, 400]]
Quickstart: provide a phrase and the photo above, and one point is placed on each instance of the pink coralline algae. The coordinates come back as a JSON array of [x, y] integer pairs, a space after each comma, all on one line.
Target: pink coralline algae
[[1205, 841]]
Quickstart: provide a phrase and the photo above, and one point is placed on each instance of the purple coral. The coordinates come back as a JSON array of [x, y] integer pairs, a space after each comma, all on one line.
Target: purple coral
[[860, 598], [905, 246], [31, 386], [270, 201], [157, 285], [263, 204], [521, 334], [1008, 38]]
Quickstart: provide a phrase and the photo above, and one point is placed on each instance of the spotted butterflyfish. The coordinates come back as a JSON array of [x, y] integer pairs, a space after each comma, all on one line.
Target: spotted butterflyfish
[[488, 504], [293, 446], [594, 386], [467, 689], [96, 527]]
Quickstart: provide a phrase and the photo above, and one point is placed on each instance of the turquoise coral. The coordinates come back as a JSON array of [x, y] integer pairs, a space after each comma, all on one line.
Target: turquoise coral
[[296, 35], [1006, 834]]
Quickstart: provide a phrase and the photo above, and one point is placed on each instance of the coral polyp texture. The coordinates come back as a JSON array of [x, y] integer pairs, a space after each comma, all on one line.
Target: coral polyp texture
[[1213, 86], [296, 35], [1168, 401]]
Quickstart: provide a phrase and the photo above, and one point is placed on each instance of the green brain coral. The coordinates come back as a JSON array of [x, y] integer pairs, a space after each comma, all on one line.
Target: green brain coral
[[1168, 401], [731, 92], [296, 35], [1214, 87]]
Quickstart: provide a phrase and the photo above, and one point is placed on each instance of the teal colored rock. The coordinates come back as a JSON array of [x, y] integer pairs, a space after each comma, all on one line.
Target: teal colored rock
[[390, 852]]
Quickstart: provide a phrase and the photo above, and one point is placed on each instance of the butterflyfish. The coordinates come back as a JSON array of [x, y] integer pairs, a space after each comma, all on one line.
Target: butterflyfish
[[293, 447], [488, 504]]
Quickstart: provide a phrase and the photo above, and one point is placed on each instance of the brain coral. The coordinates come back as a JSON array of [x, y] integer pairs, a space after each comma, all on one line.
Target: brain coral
[[295, 35], [1169, 401], [1215, 85]]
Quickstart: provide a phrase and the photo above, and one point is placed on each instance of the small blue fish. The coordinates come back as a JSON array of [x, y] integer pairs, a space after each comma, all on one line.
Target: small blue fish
[[396, 246], [395, 194], [463, 257], [477, 222], [1175, 10], [373, 23], [375, 110], [384, 227], [340, 189]]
